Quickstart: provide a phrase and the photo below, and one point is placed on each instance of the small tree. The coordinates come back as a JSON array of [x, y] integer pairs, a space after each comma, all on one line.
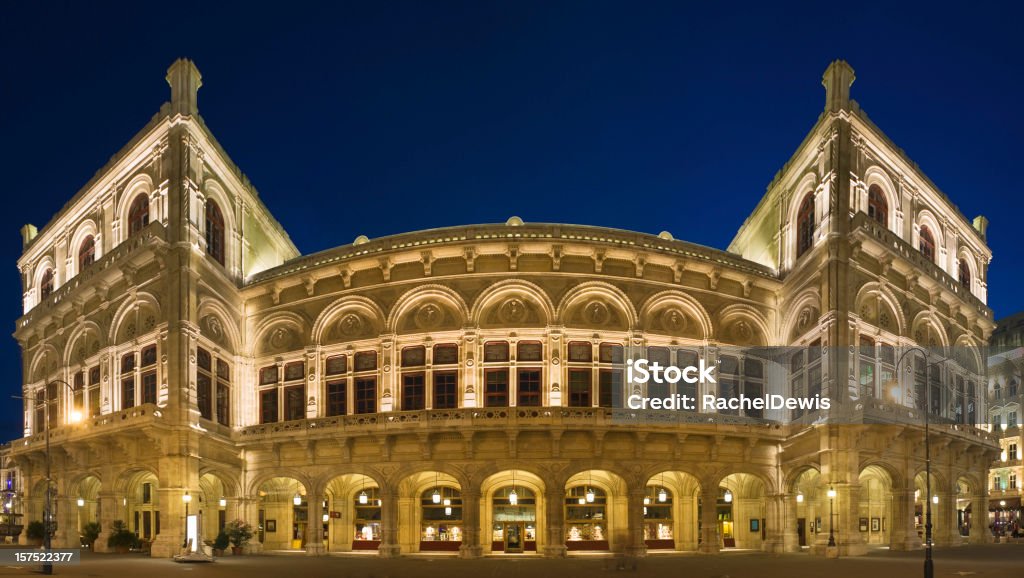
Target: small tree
[[239, 532], [90, 532], [121, 538], [220, 543], [35, 532]]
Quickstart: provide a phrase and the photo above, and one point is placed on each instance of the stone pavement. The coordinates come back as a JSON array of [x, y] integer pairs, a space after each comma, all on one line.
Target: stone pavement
[[1003, 560]]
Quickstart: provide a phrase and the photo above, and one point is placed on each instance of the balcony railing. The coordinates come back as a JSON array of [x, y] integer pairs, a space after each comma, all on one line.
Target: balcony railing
[[141, 415], [896, 245]]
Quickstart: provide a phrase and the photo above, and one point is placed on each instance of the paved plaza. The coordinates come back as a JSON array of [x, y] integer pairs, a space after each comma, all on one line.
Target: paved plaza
[[982, 561]]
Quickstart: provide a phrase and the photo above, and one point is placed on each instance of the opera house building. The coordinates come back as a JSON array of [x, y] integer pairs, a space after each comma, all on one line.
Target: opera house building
[[466, 389]]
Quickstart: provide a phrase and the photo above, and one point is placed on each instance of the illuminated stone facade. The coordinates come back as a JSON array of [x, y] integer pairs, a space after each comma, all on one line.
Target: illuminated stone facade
[[327, 398], [1006, 368]]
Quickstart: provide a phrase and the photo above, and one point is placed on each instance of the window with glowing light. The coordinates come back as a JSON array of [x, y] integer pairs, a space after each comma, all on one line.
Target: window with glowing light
[[440, 518], [586, 518], [658, 517]]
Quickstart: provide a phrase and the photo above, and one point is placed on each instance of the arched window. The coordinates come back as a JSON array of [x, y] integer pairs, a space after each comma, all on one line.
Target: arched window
[[927, 243], [805, 225], [46, 284], [878, 207], [86, 253], [138, 214], [965, 275], [214, 232]]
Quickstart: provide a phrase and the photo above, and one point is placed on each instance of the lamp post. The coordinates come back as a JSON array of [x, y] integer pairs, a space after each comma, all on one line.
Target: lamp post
[[48, 507], [187, 499], [929, 568], [831, 533]]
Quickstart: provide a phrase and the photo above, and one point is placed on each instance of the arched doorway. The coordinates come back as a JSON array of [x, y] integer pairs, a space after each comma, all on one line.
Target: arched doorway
[[432, 521], [87, 501], [283, 514], [352, 514], [740, 511], [514, 512], [808, 510], [964, 493], [142, 506], [213, 505], [874, 510], [595, 507], [671, 511]]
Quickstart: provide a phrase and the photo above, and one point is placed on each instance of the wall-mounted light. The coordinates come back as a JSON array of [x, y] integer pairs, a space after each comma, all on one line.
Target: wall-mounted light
[[223, 502], [935, 499], [81, 502], [800, 498]]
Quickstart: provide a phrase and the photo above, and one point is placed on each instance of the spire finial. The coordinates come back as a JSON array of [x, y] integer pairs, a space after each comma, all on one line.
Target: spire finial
[[837, 80], [185, 80]]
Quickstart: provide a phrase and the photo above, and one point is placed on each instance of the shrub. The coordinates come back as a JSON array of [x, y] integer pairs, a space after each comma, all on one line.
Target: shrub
[[239, 532], [90, 532], [35, 531], [221, 541], [121, 537]]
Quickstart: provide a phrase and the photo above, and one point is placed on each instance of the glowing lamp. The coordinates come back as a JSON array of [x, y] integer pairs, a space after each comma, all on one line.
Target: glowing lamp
[[513, 497], [187, 498], [663, 495], [297, 500], [935, 499], [647, 500], [81, 502], [728, 497], [326, 517], [582, 500], [436, 497], [590, 495], [223, 502], [448, 511], [800, 498], [363, 498], [831, 492]]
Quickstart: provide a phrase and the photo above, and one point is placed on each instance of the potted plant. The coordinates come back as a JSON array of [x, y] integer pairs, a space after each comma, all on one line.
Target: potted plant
[[121, 538], [90, 532], [220, 543], [239, 533], [35, 532]]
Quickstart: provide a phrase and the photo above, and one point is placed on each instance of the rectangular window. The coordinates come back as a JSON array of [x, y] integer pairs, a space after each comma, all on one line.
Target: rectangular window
[[610, 353], [366, 361], [1013, 481], [295, 402], [223, 370], [446, 354], [268, 406], [203, 359], [128, 391], [204, 390], [414, 356], [446, 388], [660, 355], [295, 371], [79, 403], [94, 391], [337, 397], [149, 387], [337, 365], [1012, 420], [413, 392], [529, 393], [496, 352], [580, 351], [529, 351], [268, 375], [496, 388], [579, 388], [610, 388], [366, 394], [223, 403]]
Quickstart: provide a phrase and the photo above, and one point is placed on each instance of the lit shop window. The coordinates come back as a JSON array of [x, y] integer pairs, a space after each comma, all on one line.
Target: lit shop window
[[586, 519], [514, 520], [441, 515], [658, 515], [367, 519]]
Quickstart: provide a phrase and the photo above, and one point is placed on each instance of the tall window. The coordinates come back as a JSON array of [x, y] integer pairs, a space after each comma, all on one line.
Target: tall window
[[288, 395], [927, 243], [336, 369], [496, 390], [213, 387], [138, 214], [446, 381], [581, 357], [214, 232], [366, 382], [46, 284], [86, 253], [805, 225], [609, 374], [529, 354], [965, 274], [128, 381], [878, 207], [295, 390], [414, 391], [805, 373], [94, 392], [867, 367], [148, 375]]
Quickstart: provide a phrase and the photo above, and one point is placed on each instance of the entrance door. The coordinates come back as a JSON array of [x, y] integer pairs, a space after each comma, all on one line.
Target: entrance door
[[513, 538], [801, 530]]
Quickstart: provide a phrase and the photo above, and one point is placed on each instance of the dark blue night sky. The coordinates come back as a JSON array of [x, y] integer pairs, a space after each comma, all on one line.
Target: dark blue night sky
[[383, 117]]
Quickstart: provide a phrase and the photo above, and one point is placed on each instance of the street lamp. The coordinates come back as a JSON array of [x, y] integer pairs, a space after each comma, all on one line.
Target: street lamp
[[187, 499], [48, 507], [929, 568], [831, 533]]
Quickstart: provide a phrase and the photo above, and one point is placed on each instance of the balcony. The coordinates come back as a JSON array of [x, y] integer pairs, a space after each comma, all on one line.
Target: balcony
[[506, 418], [139, 417], [872, 229]]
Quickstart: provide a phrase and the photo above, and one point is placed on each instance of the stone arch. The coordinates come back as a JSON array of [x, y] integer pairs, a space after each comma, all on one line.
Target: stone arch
[[875, 175], [232, 488], [131, 476], [964, 255], [45, 263], [93, 339], [134, 317], [596, 304], [139, 184], [428, 308], [801, 316], [323, 482], [217, 324], [280, 333], [742, 324], [347, 318], [676, 313], [86, 228], [926, 217], [886, 305], [213, 190], [44, 363], [966, 349], [928, 330], [896, 477], [792, 479], [808, 184], [252, 488], [513, 302]]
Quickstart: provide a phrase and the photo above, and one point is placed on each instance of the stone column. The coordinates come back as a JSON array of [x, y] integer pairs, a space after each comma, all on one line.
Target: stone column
[[389, 547], [979, 518], [944, 519], [248, 509], [903, 534], [776, 523], [847, 509], [314, 525], [109, 505], [66, 516], [470, 547], [554, 508], [635, 545], [710, 541]]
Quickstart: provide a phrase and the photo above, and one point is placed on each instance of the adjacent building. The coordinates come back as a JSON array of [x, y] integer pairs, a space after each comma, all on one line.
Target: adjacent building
[[1005, 365], [461, 389]]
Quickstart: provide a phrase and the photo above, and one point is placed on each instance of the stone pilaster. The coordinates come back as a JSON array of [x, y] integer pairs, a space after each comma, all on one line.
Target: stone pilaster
[[471, 547], [314, 526], [635, 545], [554, 504], [389, 547], [710, 540]]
